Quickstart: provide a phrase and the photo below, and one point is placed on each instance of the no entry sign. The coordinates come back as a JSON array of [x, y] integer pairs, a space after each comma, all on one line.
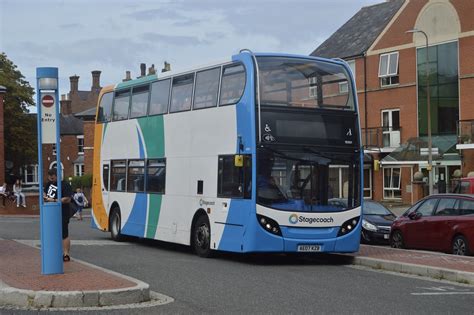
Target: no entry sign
[[47, 101], [48, 117]]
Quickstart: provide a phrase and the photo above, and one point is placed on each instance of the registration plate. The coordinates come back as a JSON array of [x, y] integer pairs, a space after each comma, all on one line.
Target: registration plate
[[309, 248], [385, 236]]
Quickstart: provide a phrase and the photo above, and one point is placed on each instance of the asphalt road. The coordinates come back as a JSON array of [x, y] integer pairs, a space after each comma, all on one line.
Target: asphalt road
[[255, 284]]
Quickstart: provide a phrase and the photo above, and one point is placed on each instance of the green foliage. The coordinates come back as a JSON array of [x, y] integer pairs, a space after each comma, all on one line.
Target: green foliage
[[20, 127], [82, 182]]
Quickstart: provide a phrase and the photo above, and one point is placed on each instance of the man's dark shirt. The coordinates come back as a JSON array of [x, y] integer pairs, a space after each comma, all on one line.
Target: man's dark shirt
[[51, 191]]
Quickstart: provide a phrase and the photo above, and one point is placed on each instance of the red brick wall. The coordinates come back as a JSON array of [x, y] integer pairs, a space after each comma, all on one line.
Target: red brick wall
[[68, 155]]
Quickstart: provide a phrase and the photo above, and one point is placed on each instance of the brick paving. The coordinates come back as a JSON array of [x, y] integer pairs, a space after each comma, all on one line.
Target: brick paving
[[20, 267], [423, 258]]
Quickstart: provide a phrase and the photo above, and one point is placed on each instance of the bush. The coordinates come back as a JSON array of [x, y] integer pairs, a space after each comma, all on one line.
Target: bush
[[82, 182]]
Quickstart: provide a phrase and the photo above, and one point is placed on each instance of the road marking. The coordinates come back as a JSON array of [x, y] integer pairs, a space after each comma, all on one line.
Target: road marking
[[37, 243], [442, 293]]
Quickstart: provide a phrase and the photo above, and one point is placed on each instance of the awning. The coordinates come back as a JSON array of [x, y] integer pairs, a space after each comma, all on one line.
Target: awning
[[415, 151]]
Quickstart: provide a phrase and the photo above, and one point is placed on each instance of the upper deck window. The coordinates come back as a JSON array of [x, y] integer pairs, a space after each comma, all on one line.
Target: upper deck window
[[160, 95], [105, 108], [233, 84], [207, 86], [139, 104], [182, 93], [286, 82], [121, 104]]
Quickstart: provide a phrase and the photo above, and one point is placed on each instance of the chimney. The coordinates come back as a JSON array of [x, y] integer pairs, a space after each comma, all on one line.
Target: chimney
[[151, 70], [128, 76], [74, 83], [142, 70], [95, 80], [166, 67], [65, 105]]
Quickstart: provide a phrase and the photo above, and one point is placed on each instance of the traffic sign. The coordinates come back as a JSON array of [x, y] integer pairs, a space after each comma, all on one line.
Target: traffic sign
[[47, 101]]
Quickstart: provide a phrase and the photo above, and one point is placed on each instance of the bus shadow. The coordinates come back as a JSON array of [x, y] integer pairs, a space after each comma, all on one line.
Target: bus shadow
[[269, 259]]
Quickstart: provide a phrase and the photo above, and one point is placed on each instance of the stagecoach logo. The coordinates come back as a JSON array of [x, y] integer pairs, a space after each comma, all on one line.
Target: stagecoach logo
[[203, 202], [349, 132], [293, 219]]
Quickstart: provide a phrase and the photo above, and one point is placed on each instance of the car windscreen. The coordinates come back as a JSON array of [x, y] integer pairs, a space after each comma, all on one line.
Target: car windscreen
[[372, 208]]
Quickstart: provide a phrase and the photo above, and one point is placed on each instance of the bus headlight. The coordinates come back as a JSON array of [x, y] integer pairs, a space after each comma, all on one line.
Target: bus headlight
[[269, 225], [368, 226], [348, 226]]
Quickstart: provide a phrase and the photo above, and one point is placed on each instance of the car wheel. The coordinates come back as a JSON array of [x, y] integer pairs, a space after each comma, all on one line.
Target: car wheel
[[460, 246], [396, 240], [201, 241], [115, 225]]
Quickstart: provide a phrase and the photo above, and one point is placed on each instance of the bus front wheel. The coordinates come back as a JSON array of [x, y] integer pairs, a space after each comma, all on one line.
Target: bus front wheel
[[202, 237], [115, 225]]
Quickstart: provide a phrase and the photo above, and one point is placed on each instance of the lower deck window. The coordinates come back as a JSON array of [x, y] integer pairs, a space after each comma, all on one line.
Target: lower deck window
[[234, 181], [118, 176]]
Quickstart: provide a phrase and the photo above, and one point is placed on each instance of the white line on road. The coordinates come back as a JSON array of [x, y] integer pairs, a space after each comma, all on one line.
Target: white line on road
[[442, 293], [37, 243]]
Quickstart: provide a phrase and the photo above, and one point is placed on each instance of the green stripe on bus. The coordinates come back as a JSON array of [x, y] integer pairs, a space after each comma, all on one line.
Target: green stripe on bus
[[154, 208], [136, 82], [153, 133]]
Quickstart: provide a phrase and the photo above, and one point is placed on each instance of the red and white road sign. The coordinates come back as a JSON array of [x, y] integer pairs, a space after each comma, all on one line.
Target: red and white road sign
[[47, 101]]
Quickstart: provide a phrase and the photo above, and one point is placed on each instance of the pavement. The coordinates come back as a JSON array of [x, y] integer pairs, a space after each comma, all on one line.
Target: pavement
[[83, 285]]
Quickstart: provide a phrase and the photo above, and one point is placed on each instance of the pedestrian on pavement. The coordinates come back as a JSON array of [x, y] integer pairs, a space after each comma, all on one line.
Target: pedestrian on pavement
[[3, 193], [81, 202], [51, 195], [20, 197]]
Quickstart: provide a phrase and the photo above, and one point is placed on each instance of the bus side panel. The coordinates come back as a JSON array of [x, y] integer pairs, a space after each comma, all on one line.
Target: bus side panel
[[99, 213], [232, 235]]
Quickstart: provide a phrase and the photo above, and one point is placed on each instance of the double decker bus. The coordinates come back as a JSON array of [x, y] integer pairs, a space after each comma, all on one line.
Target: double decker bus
[[259, 153]]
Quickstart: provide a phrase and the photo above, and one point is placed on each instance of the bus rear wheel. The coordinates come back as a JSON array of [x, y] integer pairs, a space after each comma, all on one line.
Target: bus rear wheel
[[115, 225], [201, 237]]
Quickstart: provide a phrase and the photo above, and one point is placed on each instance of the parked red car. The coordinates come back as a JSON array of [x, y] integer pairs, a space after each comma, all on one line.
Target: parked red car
[[443, 222], [465, 186]]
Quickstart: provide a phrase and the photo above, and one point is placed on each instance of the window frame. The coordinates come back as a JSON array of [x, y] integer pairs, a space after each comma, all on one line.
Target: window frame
[[193, 74], [128, 188], [101, 121], [112, 183], [79, 146], [392, 189], [387, 78], [352, 66]]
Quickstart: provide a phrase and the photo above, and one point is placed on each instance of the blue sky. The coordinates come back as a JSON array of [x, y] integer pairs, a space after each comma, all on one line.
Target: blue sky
[[115, 36]]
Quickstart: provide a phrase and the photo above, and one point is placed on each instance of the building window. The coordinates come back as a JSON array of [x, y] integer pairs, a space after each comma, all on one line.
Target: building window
[[29, 174], [391, 183], [344, 86], [54, 148], [391, 128], [313, 87], [80, 145], [367, 183], [388, 69], [78, 169], [444, 89]]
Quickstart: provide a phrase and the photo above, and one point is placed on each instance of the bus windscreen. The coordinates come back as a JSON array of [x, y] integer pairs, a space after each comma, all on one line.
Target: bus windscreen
[[295, 82]]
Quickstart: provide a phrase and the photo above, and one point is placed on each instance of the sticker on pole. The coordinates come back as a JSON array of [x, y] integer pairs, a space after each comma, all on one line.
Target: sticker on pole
[[48, 118]]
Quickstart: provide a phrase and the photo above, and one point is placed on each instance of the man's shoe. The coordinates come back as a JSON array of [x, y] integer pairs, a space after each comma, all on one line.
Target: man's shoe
[[24, 206]]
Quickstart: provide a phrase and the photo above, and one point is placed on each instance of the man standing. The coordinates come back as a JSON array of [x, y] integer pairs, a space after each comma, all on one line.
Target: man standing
[[51, 195]]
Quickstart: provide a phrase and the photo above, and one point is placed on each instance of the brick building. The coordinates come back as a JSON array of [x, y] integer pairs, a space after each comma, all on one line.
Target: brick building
[[76, 128], [390, 70]]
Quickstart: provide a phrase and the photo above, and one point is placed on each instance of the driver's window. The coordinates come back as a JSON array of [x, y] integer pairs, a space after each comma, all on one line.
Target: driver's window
[[426, 209]]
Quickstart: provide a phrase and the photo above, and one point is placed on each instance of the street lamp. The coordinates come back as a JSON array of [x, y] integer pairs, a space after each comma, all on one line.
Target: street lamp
[[430, 144]]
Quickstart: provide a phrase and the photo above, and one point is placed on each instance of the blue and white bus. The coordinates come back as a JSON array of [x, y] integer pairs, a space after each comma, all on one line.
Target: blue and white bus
[[259, 153]]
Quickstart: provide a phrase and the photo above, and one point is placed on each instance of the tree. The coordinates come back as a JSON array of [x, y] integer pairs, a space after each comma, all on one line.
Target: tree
[[19, 126]]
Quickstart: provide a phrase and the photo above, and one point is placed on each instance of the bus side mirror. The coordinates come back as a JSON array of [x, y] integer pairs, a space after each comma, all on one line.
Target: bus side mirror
[[238, 160]]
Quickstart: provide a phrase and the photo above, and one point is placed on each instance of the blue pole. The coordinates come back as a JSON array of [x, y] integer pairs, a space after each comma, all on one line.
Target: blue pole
[[50, 213]]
